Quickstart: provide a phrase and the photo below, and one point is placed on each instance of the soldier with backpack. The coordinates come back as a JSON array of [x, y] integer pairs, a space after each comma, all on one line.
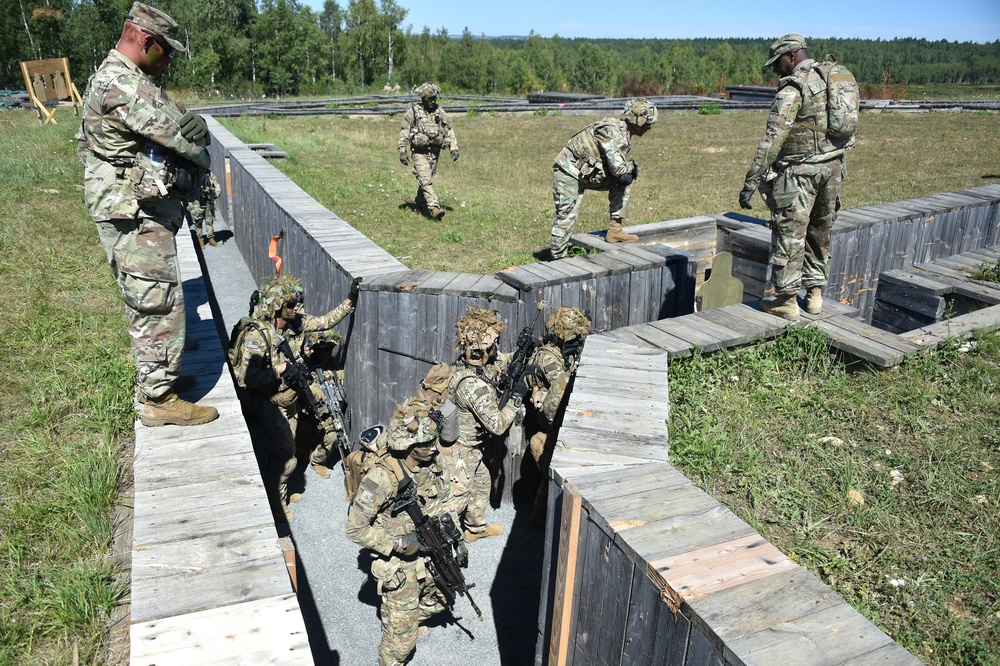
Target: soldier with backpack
[[799, 168], [261, 367], [408, 584]]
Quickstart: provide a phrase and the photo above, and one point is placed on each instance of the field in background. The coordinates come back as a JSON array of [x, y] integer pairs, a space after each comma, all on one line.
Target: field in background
[[65, 404], [499, 194]]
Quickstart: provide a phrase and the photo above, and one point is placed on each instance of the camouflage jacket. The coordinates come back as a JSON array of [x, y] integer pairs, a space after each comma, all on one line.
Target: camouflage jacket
[[424, 130], [474, 393], [370, 521], [801, 97], [598, 153], [260, 356], [547, 394], [123, 109]]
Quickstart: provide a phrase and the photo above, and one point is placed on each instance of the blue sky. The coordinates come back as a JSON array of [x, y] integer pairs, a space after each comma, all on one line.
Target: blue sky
[[954, 20]]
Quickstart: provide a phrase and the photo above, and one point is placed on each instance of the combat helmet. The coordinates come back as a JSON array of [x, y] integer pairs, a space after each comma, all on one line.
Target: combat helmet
[[411, 424], [640, 112], [427, 91], [282, 291], [566, 323], [476, 332]]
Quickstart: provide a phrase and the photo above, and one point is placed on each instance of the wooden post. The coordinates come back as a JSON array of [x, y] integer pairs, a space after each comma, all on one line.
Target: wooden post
[[288, 552], [562, 603]]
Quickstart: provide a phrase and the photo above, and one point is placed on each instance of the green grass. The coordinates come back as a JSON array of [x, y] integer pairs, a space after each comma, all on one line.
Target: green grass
[[498, 195], [65, 403], [782, 433]]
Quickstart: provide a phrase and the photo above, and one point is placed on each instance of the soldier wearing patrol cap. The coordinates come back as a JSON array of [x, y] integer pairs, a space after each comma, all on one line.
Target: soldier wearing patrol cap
[[798, 169], [409, 593], [598, 158], [424, 131], [140, 156]]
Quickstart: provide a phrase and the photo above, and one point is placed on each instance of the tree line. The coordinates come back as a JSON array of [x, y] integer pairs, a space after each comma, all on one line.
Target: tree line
[[281, 47]]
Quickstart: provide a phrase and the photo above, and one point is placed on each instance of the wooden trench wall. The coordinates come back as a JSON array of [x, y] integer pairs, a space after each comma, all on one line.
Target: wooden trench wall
[[641, 566]]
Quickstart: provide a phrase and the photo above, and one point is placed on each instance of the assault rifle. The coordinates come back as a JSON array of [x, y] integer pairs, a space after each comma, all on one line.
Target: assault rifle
[[328, 413], [525, 347], [442, 538]]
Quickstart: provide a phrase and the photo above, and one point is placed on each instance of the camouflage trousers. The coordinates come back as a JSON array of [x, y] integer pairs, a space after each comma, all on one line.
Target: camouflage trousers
[[470, 483], [425, 166], [409, 597], [567, 194], [143, 256], [202, 218], [804, 200]]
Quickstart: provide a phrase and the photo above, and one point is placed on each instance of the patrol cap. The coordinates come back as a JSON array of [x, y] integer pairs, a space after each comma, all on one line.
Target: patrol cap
[[787, 44], [157, 22]]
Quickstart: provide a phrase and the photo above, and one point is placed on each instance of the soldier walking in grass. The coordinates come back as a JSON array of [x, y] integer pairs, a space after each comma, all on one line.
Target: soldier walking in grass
[[423, 132], [799, 168], [407, 589], [141, 156], [598, 158]]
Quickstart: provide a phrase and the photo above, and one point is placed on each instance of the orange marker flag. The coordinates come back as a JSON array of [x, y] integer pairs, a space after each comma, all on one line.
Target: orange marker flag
[[272, 254]]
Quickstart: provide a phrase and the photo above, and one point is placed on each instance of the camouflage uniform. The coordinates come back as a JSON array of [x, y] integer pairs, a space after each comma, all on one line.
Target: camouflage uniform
[[424, 131], [598, 157], [201, 211], [556, 362], [409, 594], [799, 172], [125, 110], [278, 405], [473, 390]]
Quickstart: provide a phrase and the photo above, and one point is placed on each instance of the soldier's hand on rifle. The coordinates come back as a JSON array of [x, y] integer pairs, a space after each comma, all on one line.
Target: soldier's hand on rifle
[[289, 372], [352, 296], [454, 155], [626, 178], [462, 555], [194, 128], [522, 387], [404, 159], [745, 195], [409, 545]]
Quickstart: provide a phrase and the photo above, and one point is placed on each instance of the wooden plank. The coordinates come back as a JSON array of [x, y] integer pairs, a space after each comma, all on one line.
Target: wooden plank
[[673, 345], [687, 328], [873, 334], [565, 592], [684, 521], [258, 632], [860, 347], [745, 331]]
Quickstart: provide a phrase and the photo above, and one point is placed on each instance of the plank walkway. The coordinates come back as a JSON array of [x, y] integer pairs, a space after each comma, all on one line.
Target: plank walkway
[[662, 572], [209, 583]]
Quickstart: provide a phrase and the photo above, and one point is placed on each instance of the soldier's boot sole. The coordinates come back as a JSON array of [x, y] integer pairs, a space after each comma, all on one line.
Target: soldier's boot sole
[[814, 300], [785, 306]]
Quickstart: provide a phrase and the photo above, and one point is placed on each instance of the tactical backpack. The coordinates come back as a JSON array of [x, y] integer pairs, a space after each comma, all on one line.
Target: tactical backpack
[[843, 100], [236, 340]]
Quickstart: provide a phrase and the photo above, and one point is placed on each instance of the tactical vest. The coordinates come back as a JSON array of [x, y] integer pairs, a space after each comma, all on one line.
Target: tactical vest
[[430, 492], [473, 387], [585, 153], [428, 129], [803, 142]]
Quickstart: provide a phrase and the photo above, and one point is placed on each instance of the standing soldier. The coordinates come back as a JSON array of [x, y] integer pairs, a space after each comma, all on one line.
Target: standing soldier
[[556, 360], [140, 156], [425, 130], [473, 388], [261, 367], [799, 168], [408, 591], [598, 158]]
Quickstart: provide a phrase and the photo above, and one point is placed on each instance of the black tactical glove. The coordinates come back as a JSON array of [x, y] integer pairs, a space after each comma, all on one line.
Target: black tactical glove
[[404, 159], [522, 387], [626, 179], [194, 128], [745, 195], [635, 170], [290, 374], [572, 348], [352, 295], [462, 555], [454, 155], [409, 545]]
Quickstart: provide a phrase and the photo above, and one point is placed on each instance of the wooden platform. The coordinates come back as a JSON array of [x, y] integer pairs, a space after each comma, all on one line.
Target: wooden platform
[[209, 583]]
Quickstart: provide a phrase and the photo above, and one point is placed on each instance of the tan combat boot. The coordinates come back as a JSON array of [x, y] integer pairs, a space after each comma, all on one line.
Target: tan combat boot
[[437, 213], [168, 409], [490, 531], [617, 235], [322, 470], [814, 300], [785, 306]]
